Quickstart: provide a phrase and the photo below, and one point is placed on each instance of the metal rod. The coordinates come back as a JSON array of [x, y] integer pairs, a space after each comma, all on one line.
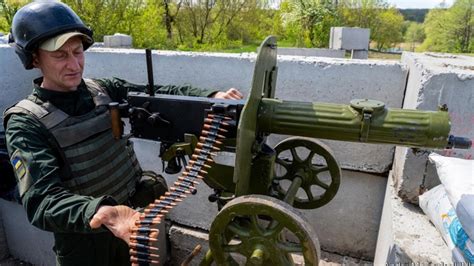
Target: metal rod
[[149, 68], [292, 190]]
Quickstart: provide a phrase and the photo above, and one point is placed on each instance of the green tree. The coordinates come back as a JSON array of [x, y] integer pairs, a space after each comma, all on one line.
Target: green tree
[[309, 22], [385, 22], [362, 13], [149, 28], [207, 22], [107, 17], [8, 9], [388, 32], [450, 30], [415, 34]]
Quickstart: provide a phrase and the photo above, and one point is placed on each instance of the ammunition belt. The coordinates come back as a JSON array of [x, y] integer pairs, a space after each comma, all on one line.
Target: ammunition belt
[[142, 252]]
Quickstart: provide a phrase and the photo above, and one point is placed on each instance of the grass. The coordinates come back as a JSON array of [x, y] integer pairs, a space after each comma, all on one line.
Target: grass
[[384, 56]]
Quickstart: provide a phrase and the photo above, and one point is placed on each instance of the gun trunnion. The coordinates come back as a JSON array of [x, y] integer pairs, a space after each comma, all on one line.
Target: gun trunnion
[[251, 191]]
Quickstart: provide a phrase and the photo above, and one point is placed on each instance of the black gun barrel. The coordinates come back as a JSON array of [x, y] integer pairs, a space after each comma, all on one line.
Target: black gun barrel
[[459, 142], [149, 69]]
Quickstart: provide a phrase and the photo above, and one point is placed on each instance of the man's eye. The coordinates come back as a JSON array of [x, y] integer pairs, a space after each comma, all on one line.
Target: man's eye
[[59, 56]]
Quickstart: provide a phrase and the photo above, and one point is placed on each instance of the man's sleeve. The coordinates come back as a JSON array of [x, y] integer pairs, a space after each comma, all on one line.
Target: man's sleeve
[[118, 89], [49, 206]]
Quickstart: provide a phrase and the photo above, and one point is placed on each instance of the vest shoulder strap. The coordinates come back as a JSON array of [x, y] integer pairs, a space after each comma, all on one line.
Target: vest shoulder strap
[[99, 93], [46, 113]]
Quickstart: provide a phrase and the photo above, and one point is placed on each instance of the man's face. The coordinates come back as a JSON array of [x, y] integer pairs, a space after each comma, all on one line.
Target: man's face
[[62, 69]]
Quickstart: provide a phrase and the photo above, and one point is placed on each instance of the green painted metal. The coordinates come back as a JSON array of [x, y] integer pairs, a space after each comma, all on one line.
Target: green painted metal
[[304, 168], [254, 227], [220, 177], [411, 128], [207, 260], [262, 83]]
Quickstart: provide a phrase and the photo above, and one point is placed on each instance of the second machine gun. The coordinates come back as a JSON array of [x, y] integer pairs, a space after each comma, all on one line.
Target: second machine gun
[[258, 195]]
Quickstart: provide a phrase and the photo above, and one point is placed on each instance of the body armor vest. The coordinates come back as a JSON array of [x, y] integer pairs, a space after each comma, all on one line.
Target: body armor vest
[[95, 163]]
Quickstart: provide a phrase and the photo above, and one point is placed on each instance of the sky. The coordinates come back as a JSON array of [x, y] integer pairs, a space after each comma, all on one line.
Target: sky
[[418, 3]]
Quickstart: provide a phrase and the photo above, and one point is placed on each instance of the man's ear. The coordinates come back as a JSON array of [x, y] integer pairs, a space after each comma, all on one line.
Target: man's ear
[[35, 60]]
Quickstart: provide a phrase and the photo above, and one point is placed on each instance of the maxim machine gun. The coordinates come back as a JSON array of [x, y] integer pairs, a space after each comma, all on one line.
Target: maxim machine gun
[[258, 222]]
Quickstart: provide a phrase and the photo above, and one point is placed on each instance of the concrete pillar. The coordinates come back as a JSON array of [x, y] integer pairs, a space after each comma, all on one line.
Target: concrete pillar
[[349, 38], [434, 80], [359, 54], [118, 40]]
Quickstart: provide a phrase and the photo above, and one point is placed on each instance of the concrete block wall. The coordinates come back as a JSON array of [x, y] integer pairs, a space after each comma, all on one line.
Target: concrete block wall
[[299, 79], [15, 82], [319, 52], [25, 242], [434, 80], [406, 235]]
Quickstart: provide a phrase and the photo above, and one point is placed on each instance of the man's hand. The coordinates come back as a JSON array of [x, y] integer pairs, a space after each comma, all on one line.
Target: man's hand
[[232, 94], [120, 220]]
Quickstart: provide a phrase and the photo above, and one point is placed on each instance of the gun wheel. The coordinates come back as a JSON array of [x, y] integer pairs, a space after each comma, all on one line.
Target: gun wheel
[[314, 163], [261, 230]]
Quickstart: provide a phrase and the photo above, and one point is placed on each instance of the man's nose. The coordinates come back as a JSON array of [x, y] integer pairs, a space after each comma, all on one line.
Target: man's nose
[[73, 62]]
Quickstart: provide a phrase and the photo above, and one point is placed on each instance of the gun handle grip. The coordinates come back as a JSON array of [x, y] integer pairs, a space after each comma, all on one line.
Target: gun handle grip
[[116, 120]]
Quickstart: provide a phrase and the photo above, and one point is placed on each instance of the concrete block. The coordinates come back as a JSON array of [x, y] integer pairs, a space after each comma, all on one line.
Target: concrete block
[[406, 236], [349, 223], [16, 81], [346, 38], [434, 80], [118, 40], [184, 240], [26, 242], [3, 38], [318, 52], [359, 54], [4, 252]]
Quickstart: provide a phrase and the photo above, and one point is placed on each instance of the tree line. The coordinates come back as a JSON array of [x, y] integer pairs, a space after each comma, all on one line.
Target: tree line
[[226, 24]]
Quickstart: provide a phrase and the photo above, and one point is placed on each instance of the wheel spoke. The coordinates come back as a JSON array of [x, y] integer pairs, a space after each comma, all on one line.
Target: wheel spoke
[[295, 155], [290, 247], [238, 230], [232, 248], [307, 189], [274, 228], [322, 169], [320, 183], [255, 225], [283, 163], [309, 159]]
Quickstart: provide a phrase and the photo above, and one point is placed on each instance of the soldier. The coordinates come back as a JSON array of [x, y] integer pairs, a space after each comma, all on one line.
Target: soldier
[[74, 178]]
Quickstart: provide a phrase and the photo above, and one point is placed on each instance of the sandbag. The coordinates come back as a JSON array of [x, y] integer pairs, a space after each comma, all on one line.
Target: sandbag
[[457, 176], [436, 205]]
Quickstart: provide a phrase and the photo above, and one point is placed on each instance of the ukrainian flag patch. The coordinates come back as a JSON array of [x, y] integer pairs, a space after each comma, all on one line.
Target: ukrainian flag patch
[[19, 166]]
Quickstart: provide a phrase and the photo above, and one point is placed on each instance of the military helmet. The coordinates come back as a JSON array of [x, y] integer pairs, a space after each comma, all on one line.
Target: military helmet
[[38, 21]]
